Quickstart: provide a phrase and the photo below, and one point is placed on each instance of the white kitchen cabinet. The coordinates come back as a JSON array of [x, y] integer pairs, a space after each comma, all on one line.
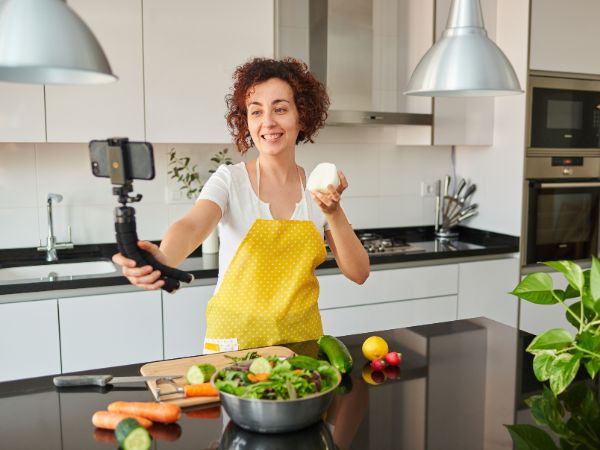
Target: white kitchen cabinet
[[190, 51], [29, 340], [389, 299], [388, 285], [464, 120], [22, 113], [184, 320], [82, 113], [483, 288], [564, 36], [110, 330], [536, 319], [388, 315]]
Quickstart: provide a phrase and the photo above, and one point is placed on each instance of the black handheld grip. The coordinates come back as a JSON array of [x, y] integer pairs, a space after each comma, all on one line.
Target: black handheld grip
[[127, 239]]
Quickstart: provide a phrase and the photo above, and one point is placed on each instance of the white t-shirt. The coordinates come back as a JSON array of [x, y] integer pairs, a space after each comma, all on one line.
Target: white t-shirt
[[230, 188]]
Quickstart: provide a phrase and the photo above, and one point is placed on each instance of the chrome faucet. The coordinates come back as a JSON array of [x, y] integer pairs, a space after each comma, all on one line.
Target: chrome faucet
[[51, 244]]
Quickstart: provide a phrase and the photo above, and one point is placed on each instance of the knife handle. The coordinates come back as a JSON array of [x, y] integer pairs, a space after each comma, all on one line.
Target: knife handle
[[82, 380]]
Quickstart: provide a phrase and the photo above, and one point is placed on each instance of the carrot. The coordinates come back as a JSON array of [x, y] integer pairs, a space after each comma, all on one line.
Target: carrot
[[255, 378], [158, 412], [200, 390], [204, 413], [297, 371], [109, 420], [104, 436], [165, 431]]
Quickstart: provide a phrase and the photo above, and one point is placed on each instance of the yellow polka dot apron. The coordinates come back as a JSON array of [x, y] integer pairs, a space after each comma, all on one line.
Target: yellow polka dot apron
[[270, 291]]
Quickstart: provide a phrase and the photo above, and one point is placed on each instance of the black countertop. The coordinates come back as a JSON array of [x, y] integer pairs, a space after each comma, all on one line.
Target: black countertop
[[460, 383], [470, 243]]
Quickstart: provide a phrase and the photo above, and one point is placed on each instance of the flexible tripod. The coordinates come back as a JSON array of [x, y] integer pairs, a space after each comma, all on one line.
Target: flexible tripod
[[125, 226]]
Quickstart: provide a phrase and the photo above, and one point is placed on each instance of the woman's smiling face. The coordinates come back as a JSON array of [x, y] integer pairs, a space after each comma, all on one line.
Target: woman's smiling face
[[273, 119]]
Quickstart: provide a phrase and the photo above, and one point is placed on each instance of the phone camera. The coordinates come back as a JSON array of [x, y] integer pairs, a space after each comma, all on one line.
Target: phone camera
[[95, 168]]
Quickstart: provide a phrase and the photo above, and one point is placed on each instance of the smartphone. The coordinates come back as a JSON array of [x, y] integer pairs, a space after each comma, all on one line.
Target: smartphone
[[138, 158]]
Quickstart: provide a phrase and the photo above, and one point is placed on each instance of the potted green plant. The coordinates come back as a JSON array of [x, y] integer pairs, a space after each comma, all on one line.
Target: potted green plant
[[574, 418], [188, 175], [191, 184], [557, 353]]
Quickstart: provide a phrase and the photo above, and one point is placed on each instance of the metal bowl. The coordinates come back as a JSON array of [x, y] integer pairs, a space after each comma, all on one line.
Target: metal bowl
[[276, 416]]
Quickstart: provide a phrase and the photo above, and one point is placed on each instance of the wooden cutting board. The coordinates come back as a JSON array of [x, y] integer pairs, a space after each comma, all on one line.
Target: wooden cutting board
[[181, 365]]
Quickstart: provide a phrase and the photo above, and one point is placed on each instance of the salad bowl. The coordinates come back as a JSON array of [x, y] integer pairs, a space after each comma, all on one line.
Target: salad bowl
[[277, 416]]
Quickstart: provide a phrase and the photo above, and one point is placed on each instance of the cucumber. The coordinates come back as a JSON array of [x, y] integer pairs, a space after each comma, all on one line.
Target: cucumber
[[336, 352], [132, 436], [200, 373], [260, 365]]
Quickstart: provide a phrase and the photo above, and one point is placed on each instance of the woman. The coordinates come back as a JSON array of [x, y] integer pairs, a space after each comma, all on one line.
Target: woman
[[271, 236]]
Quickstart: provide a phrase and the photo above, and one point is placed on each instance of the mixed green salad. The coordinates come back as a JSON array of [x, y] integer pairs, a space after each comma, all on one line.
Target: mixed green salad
[[274, 378]]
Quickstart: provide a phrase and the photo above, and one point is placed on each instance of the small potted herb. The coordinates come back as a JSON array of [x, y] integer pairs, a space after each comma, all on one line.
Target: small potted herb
[[191, 184], [557, 354], [188, 176]]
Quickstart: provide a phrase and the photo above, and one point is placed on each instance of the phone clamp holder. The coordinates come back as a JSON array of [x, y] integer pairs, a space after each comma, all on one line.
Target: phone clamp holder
[[125, 225]]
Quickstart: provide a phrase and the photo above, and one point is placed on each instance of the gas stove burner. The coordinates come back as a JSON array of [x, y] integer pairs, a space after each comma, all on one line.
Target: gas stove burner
[[377, 244], [368, 236]]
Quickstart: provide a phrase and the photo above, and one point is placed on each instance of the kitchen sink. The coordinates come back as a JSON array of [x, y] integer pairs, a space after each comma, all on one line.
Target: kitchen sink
[[53, 271]]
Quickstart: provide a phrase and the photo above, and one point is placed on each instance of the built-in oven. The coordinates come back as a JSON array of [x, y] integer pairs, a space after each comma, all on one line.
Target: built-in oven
[[561, 208], [563, 111]]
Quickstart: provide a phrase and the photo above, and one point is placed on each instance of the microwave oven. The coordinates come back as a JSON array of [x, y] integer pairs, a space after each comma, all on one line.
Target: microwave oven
[[563, 113]]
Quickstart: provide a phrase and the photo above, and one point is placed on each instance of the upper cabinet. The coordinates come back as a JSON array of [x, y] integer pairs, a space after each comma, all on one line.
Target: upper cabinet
[[22, 113], [564, 36], [82, 113], [191, 49], [464, 120]]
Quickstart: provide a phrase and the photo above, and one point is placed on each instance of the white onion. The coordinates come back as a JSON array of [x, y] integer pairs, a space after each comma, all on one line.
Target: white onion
[[322, 176]]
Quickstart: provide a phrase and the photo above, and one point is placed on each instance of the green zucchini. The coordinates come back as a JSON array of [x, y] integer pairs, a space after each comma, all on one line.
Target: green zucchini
[[336, 352], [132, 436]]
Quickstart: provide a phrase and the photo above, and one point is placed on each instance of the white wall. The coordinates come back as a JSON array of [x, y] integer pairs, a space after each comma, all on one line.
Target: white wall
[[384, 187], [498, 170]]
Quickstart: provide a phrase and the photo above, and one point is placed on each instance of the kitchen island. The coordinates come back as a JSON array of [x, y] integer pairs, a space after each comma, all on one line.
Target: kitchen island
[[460, 382]]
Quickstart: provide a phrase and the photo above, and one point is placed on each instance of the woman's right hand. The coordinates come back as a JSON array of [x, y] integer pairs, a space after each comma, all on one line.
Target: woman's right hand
[[144, 277]]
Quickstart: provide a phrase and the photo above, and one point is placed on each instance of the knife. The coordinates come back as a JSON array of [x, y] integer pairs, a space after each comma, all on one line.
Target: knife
[[103, 380]]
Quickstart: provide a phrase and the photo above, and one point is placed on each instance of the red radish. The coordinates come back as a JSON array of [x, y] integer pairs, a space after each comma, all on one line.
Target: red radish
[[378, 364], [392, 372], [393, 358]]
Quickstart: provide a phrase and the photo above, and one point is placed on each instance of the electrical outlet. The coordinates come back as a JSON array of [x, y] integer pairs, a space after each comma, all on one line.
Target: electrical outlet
[[173, 195], [427, 189]]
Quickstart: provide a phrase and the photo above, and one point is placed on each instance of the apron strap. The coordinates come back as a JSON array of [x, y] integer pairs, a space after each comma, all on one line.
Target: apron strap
[[303, 196]]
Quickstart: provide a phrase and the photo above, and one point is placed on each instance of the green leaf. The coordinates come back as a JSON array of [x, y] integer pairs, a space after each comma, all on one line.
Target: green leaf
[[528, 437], [536, 288], [563, 371], [592, 366], [542, 363], [575, 308], [570, 270], [571, 292], [595, 279], [547, 410], [554, 339], [588, 341]]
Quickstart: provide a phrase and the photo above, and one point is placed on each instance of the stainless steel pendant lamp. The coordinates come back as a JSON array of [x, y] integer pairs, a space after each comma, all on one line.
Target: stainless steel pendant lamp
[[464, 62], [44, 41]]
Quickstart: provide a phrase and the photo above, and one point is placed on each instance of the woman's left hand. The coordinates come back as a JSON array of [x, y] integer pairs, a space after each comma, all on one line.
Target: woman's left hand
[[329, 202]]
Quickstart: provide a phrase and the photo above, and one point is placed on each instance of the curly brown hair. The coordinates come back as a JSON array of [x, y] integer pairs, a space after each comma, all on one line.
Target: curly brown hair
[[310, 96]]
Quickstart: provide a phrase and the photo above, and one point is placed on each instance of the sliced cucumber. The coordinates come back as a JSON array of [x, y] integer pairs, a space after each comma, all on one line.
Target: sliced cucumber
[[200, 373], [260, 365], [132, 436]]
